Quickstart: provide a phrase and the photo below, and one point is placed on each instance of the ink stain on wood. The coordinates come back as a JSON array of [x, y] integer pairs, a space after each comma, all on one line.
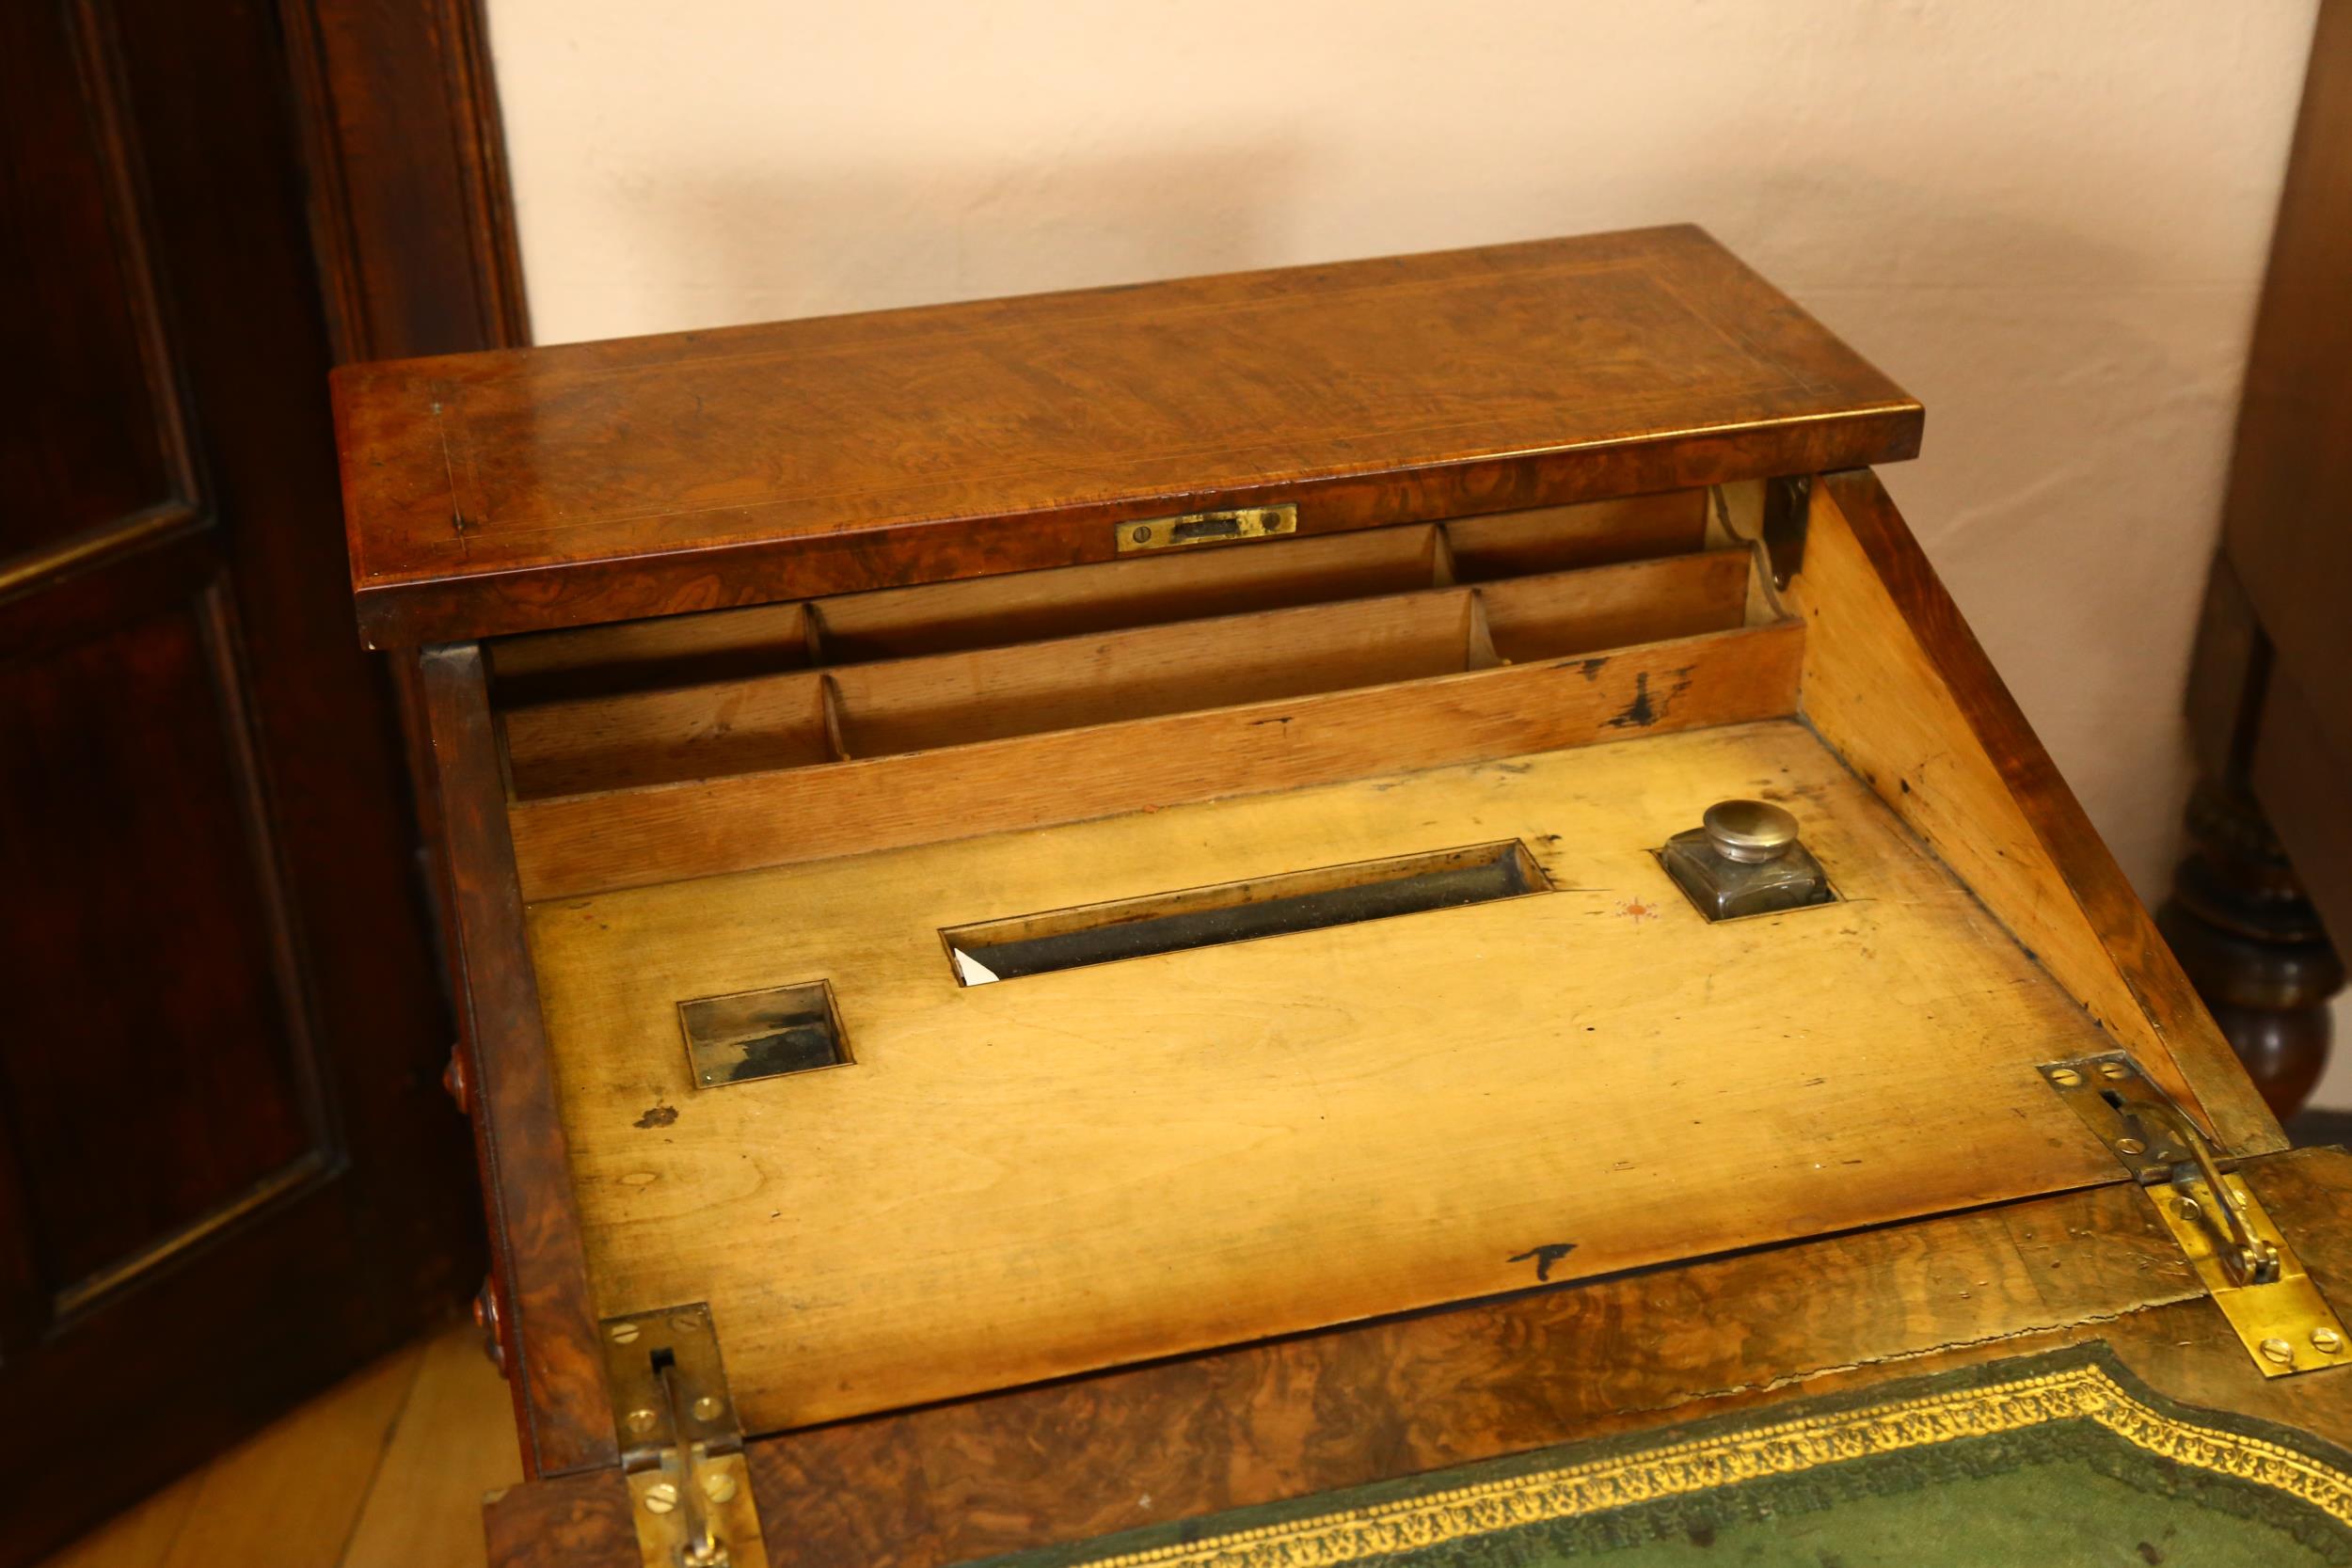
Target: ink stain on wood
[[1544, 1258], [1641, 713], [1637, 714], [660, 1116]]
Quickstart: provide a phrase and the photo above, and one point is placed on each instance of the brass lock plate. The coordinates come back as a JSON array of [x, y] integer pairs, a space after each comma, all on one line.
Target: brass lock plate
[[1228, 527]]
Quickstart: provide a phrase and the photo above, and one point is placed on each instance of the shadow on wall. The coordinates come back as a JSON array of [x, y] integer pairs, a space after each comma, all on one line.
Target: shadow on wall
[[715, 249], [2081, 396]]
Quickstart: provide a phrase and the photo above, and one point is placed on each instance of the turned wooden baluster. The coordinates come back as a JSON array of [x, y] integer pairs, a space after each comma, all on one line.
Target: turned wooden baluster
[[2253, 945]]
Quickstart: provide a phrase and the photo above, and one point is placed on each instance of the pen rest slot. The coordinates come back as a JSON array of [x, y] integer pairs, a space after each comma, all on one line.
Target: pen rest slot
[[1240, 912]]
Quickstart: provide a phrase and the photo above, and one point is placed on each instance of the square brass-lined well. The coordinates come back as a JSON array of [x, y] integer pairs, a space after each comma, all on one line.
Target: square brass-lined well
[[762, 1034]]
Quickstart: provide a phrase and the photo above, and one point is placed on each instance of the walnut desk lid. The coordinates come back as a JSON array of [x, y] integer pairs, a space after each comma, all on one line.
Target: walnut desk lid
[[513, 491]]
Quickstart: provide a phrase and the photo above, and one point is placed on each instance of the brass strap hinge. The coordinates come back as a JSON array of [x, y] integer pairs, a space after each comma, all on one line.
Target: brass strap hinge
[[2241, 1258], [681, 1441]]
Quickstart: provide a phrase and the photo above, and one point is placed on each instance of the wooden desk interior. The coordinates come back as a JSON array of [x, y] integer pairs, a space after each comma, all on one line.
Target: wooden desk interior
[[1121, 1160], [1115, 1161], [982, 854]]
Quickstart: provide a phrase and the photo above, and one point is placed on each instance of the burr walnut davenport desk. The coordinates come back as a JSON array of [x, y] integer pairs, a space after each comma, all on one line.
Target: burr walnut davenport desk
[[1090, 911]]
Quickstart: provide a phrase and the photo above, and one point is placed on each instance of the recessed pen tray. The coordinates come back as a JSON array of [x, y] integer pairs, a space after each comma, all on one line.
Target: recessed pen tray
[[1240, 912]]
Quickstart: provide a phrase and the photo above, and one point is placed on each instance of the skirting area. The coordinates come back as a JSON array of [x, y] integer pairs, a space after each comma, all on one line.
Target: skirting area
[[384, 1470]]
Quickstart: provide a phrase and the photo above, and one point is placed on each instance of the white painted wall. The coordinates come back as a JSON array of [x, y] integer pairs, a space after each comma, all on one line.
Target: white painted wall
[[2048, 218]]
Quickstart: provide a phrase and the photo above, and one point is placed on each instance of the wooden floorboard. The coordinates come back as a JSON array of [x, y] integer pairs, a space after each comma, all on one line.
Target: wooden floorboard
[[387, 1467], [454, 1442]]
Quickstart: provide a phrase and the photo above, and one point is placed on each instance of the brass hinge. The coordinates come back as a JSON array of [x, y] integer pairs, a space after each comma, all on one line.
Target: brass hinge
[[681, 1441], [2241, 1258], [1788, 513]]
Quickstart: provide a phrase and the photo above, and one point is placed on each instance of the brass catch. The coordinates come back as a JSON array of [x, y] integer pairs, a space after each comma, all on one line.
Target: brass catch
[[2220, 1225], [1207, 527], [681, 1442]]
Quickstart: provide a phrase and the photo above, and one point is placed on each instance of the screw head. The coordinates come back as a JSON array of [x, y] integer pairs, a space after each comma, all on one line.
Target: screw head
[[2065, 1077], [2278, 1351], [2114, 1070], [623, 1334], [2130, 1146], [1141, 535], [2187, 1208], [718, 1485], [2327, 1340], [641, 1420], [661, 1496], [710, 1407]]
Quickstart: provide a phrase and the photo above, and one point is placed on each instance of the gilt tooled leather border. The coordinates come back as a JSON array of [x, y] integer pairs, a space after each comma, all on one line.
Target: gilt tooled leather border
[[2003, 1398]]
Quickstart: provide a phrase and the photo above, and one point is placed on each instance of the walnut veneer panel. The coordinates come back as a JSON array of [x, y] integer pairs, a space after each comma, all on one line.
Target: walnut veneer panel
[[964, 1482], [1071, 1170], [505, 492]]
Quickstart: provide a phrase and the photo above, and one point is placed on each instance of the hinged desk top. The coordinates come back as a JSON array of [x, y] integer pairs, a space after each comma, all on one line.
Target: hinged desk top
[[493, 493]]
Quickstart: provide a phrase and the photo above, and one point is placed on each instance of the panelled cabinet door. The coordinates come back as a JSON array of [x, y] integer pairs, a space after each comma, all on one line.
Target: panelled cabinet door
[[227, 1174]]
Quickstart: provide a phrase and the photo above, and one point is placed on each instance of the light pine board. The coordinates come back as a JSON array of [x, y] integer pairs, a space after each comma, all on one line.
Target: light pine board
[[1872, 687], [1018, 1180], [388, 1466]]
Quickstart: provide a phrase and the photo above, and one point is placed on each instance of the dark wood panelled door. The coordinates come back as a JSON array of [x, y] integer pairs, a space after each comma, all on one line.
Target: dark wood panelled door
[[227, 1172]]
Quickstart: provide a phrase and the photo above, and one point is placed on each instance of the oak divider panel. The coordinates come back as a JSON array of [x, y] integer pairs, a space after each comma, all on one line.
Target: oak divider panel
[[652, 737], [1622, 606], [648, 655], [1495, 544], [956, 699], [802, 718], [670, 832], [1132, 590], [962, 614]]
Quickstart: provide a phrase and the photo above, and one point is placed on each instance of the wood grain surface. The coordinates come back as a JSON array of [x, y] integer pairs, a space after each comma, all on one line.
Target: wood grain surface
[[388, 1470], [1031, 1178], [1132, 591], [700, 731], [1895, 679], [539, 1287], [2281, 528], [530, 489], [226, 1178], [583, 844], [1078, 1459]]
